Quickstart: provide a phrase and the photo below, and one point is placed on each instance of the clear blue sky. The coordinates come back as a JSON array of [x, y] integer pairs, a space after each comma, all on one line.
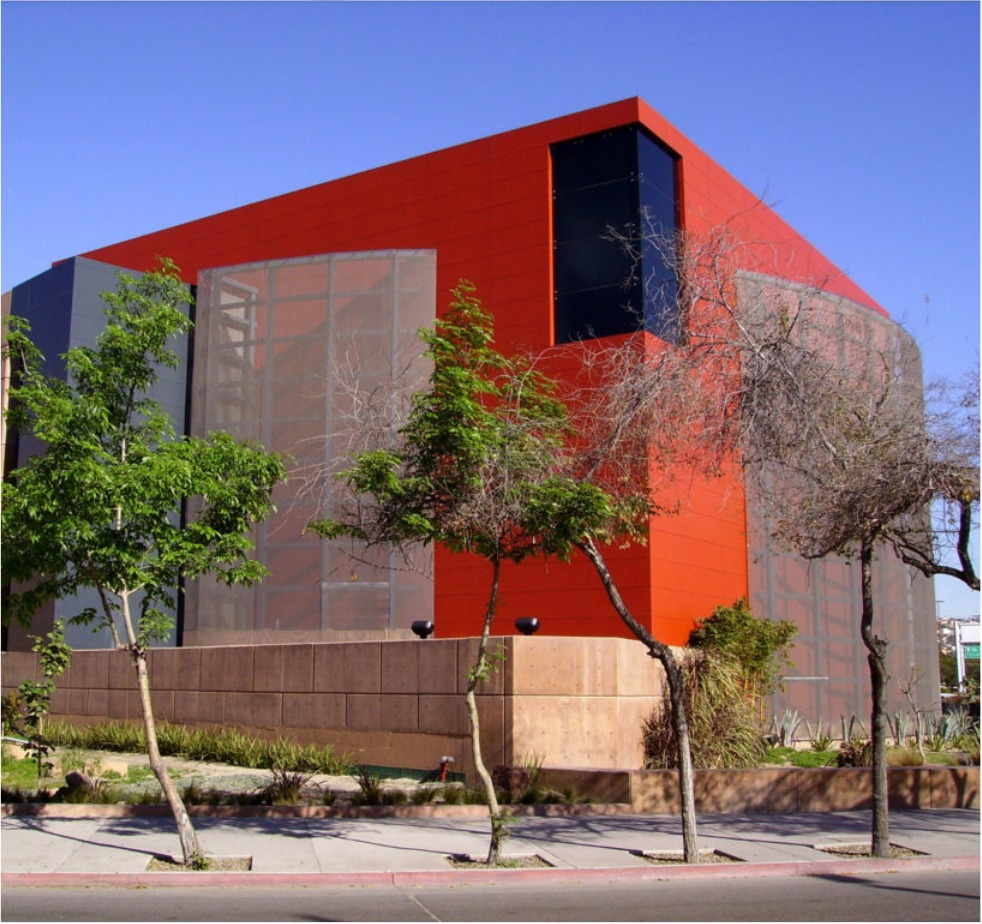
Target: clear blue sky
[[858, 121]]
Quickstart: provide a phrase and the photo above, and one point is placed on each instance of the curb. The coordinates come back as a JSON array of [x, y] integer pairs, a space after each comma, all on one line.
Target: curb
[[489, 877], [88, 810]]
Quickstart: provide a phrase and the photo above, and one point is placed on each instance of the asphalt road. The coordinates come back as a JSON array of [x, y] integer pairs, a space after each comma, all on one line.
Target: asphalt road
[[909, 896]]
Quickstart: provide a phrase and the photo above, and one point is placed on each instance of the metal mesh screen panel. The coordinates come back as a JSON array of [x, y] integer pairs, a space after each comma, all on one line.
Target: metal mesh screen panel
[[830, 676], [286, 352]]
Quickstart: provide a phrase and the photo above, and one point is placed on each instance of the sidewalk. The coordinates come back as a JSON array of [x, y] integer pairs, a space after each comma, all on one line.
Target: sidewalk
[[49, 851]]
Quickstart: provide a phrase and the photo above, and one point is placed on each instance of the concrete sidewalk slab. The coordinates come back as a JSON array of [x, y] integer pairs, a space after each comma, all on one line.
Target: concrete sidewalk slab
[[116, 850]]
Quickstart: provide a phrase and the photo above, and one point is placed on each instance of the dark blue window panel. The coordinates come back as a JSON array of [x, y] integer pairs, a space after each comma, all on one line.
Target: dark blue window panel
[[602, 312], [656, 168], [594, 159], [587, 264], [619, 182], [589, 211]]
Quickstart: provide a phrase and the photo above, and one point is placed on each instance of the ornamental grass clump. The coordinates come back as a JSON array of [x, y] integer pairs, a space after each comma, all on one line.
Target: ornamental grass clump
[[724, 728], [223, 745]]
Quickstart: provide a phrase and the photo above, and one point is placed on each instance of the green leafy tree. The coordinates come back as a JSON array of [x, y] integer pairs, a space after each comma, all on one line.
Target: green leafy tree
[[101, 507], [492, 462], [474, 468], [948, 668]]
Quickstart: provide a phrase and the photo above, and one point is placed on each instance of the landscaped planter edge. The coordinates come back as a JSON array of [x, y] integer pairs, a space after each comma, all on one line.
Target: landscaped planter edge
[[773, 789]]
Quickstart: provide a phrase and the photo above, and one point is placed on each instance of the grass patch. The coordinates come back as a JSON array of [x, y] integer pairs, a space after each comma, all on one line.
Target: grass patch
[[896, 757], [143, 774], [943, 758], [20, 773], [791, 757]]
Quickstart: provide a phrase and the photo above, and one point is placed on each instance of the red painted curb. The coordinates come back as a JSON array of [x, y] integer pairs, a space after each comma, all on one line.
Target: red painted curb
[[489, 877]]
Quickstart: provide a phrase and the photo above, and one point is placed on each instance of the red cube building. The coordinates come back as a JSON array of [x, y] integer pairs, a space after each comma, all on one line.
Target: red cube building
[[524, 215]]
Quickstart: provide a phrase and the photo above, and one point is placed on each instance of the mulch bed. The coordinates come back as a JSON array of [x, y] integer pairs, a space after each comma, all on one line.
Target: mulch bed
[[215, 865], [465, 861], [864, 850], [661, 857]]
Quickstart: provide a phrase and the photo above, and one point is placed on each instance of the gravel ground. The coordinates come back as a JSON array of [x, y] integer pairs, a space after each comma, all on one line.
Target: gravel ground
[[113, 767]]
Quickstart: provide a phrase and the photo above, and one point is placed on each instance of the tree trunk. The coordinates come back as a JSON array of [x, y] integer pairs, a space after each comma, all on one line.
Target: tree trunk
[[877, 657], [190, 847], [479, 672], [676, 694]]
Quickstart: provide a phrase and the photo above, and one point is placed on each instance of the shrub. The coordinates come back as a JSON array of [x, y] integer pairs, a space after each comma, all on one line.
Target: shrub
[[369, 788], [786, 728], [970, 745], [453, 795], [94, 792], [904, 757], [150, 796], [532, 765], [424, 795], [372, 792], [18, 794], [26, 712], [820, 740], [758, 646], [11, 712], [949, 730]]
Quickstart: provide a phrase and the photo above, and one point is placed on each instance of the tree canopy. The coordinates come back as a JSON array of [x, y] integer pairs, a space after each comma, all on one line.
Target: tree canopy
[[477, 465], [101, 506]]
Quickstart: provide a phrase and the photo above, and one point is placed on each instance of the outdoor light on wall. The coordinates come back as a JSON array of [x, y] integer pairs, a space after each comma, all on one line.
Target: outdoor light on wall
[[527, 625], [423, 628]]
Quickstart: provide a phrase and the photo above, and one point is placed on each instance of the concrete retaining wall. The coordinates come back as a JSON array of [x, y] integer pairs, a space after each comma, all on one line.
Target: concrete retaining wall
[[570, 701]]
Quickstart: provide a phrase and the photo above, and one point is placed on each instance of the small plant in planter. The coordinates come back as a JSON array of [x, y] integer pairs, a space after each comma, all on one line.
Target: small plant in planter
[[287, 787], [821, 739], [855, 753], [27, 711]]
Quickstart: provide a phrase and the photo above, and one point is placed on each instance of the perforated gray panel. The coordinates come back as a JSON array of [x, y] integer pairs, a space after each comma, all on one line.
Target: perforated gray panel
[[286, 353], [830, 677]]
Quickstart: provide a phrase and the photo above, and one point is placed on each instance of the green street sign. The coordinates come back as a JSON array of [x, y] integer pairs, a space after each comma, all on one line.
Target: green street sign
[[971, 651]]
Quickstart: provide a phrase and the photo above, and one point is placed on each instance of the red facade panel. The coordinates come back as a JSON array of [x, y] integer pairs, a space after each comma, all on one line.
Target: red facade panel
[[486, 208]]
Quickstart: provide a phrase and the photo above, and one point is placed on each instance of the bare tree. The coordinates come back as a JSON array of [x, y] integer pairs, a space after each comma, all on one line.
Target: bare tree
[[830, 427], [637, 408], [942, 544]]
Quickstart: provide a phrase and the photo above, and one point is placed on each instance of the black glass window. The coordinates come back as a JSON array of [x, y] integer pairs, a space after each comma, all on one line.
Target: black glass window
[[615, 184]]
